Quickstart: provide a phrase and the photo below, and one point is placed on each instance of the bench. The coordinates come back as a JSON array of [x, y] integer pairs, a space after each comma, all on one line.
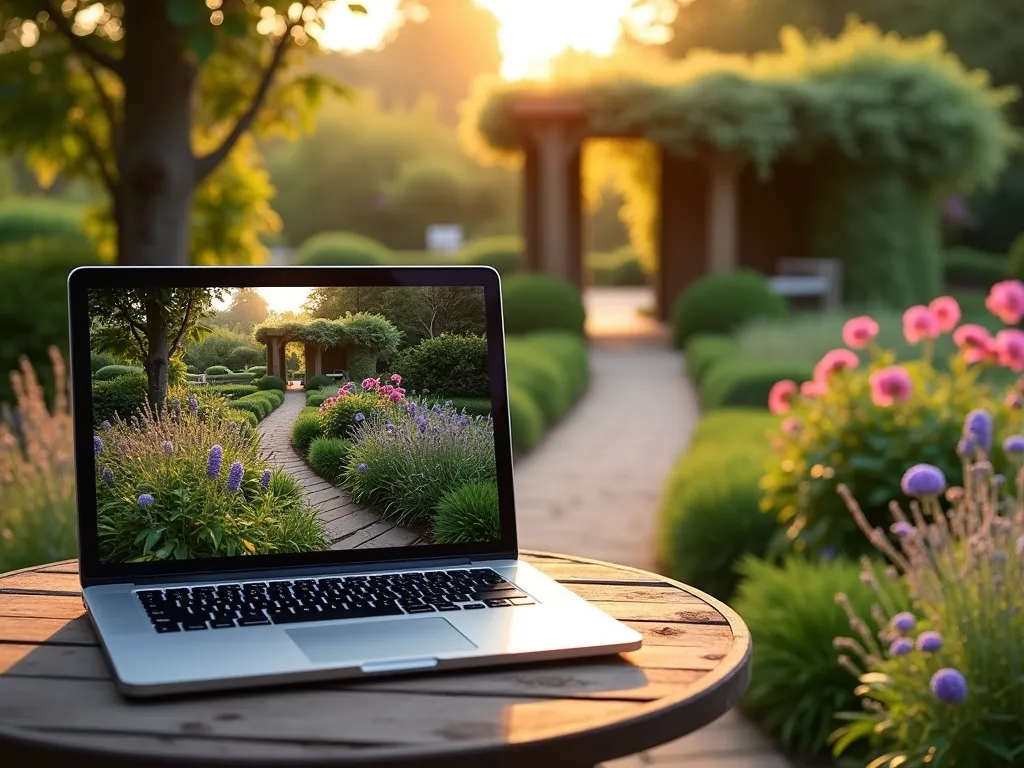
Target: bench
[[820, 279]]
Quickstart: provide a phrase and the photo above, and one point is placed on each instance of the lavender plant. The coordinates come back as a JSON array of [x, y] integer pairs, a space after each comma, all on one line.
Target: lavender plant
[[406, 460], [943, 683]]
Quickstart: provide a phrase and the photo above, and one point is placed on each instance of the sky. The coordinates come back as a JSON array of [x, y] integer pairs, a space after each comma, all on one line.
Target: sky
[[279, 299]]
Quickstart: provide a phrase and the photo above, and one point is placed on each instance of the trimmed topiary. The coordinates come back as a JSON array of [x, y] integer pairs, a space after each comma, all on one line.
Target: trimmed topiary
[[541, 303], [362, 364], [618, 268], [218, 370], [243, 356], [307, 427], [259, 407], [721, 303], [542, 377], [111, 372], [257, 370], [231, 378], [327, 457], [342, 249], [271, 382], [122, 396], [502, 252], [738, 381], [318, 382], [526, 419], [101, 360], [468, 515], [276, 396], [447, 365], [233, 391], [245, 416], [704, 350], [568, 350]]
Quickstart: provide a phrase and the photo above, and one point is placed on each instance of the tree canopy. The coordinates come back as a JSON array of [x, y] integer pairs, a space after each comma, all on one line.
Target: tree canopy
[[371, 332]]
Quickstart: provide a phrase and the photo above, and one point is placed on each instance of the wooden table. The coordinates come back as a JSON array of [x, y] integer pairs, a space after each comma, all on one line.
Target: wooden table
[[57, 699]]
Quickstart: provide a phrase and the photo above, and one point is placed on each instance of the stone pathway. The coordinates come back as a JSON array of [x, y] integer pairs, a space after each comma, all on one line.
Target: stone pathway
[[347, 524], [593, 488]]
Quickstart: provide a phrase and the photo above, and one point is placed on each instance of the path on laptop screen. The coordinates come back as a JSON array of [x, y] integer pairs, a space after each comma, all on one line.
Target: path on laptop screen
[[366, 424]]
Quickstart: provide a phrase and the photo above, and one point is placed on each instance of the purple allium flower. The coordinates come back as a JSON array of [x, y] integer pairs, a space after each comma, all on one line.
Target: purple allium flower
[[949, 686], [106, 425], [967, 447], [214, 462], [235, 475], [360, 417], [108, 476], [923, 480], [361, 468], [903, 622], [929, 642], [168, 447], [97, 445], [193, 404], [265, 478], [902, 529], [901, 646], [145, 499], [1014, 444], [978, 424]]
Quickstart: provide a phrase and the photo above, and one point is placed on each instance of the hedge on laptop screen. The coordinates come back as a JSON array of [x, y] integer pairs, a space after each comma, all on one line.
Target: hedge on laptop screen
[[238, 421]]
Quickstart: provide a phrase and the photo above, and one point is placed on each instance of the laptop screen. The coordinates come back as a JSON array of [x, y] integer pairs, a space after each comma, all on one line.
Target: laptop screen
[[231, 422]]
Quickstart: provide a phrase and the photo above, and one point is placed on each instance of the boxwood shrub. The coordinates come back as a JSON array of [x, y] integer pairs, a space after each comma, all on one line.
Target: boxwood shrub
[[526, 419], [317, 382], [704, 350], [271, 382], [541, 377], [257, 370], [721, 303], [533, 302], [99, 360], [233, 391], [217, 370], [230, 378], [619, 268], [110, 372], [342, 249], [276, 396], [306, 428], [568, 350], [259, 407], [123, 396], [502, 252], [447, 365], [738, 381], [245, 416]]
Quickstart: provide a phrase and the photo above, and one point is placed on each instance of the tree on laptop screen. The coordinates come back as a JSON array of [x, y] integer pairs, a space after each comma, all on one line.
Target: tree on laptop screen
[[232, 422]]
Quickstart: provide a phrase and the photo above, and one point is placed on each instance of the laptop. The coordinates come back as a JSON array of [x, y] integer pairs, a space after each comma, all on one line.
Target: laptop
[[343, 509]]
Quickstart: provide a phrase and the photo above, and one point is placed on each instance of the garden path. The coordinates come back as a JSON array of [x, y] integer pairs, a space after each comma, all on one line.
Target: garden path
[[593, 488], [348, 525]]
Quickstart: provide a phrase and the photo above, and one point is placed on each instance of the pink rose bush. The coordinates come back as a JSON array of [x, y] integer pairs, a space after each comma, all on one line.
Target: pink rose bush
[[863, 413]]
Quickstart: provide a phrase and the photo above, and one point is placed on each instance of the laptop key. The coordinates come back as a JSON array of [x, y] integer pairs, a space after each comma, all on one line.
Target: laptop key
[[498, 603], [473, 606], [522, 601], [191, 626], [448, 607], [253, 621], [489, 595], [162, 628], [221, 623], [420, 609]]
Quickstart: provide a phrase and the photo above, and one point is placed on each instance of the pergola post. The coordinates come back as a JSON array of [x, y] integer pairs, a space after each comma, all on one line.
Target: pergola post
[[723, 213], [274, 356]]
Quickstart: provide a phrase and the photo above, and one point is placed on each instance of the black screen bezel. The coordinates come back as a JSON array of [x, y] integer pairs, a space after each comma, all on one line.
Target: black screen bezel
[[83, 279]]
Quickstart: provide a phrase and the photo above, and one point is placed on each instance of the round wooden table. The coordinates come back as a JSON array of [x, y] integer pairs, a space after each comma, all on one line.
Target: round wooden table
[[57, 699]]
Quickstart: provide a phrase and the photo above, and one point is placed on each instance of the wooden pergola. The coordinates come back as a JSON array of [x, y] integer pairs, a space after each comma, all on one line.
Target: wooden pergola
[[716, 214]]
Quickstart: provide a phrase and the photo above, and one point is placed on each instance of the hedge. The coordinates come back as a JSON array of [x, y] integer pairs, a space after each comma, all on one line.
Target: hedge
[[231, 378], [245, 415], [447, 365], [619, 268], [526, 419], [569, 350], [503, 252], [536, 302], [218, 370], [739, 381], [271, 382], [123, 396], [307, 427], [471, 406], [542, 377], [319, 382], [968, 268], [722, 302], [342, 249], [111, 372], [704, 350], [24, 219], [232, 391]]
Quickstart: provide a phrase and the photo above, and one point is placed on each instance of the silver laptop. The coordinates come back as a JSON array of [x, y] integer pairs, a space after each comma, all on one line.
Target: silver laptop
[[343, 508]]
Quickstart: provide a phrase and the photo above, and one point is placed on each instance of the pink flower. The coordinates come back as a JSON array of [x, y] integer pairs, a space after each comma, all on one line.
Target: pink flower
[[780, 397], [920, 323], [813, 388], [1009, 345], [890, 385], [946, 311], [1006, 301], [396, 378], [387, 389], [369, 384], [395, 396], [974, 342], [791, 427], [833, 362], [858, 332]]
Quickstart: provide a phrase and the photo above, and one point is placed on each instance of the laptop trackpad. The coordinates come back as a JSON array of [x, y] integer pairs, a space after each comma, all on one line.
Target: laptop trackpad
[[378, 641]]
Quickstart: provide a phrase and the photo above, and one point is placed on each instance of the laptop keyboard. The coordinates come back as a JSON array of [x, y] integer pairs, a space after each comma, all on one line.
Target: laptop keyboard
[[259, 603]]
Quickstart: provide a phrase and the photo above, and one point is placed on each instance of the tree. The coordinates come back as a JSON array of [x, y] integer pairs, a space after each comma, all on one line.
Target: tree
[[332, 303], [248, 309], [150, 326], [149, 97], [424, 313]]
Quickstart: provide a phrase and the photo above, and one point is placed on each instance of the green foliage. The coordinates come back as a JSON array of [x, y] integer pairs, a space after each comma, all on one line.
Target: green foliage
[[315, 397], [217, 370], [122, 396], [271, 382], [618, 268], [737, 381], [232, 391], [276, 396], [567, 349], [327, 456], [373, 332], [319, 382], [705, 350], [471, 406], [257, 370], [248, 308], [99, 360], [232, 378], [342, 249], [534, 302], [1015, 266], [247, 417], [339, 419], [110, 372], [446, 365], [468, 515], [503, 252], [797, 686], [306, 429], [259, 408], [722, 302], [362, 364], [24, 219], [968, 268], [542, 377], [243, 357], [710, 510], [216, 349], [526, 419]]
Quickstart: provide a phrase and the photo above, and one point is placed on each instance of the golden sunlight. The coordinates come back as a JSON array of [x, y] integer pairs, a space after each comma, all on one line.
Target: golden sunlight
[[351, 32]]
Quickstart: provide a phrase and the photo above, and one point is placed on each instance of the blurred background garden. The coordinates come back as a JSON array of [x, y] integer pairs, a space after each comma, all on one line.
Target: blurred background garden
[[688, 201]]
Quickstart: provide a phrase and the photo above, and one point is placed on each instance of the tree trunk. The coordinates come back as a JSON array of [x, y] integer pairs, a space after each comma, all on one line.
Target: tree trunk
[[156, 165], [158, 336]]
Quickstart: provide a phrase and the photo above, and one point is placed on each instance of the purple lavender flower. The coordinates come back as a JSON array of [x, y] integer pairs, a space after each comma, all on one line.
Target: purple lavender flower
[[923, 480], [108, 476], [949, 686], [464, 420], [360, 417], [421, 422], [214, 462], [901, 646], [235, 475], [145, 499], [193, 404], [903, 622], [106, 425], [1014, 444], [437, 407], [97, 445], [177, 407], [929, 642], [361, 468], [978, 424], [265, 478], [902, 529], [410, 408], [967, 447], [168, 447]]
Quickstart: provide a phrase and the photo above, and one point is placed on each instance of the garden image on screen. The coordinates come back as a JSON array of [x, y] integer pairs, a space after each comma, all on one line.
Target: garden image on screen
[[346, 418]]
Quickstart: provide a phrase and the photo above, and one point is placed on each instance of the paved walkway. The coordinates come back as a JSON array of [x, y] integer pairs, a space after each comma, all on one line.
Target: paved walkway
[[347, 524], [593, 488]]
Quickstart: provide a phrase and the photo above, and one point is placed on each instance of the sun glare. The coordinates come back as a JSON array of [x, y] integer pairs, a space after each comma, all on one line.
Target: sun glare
[[351, 32]]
